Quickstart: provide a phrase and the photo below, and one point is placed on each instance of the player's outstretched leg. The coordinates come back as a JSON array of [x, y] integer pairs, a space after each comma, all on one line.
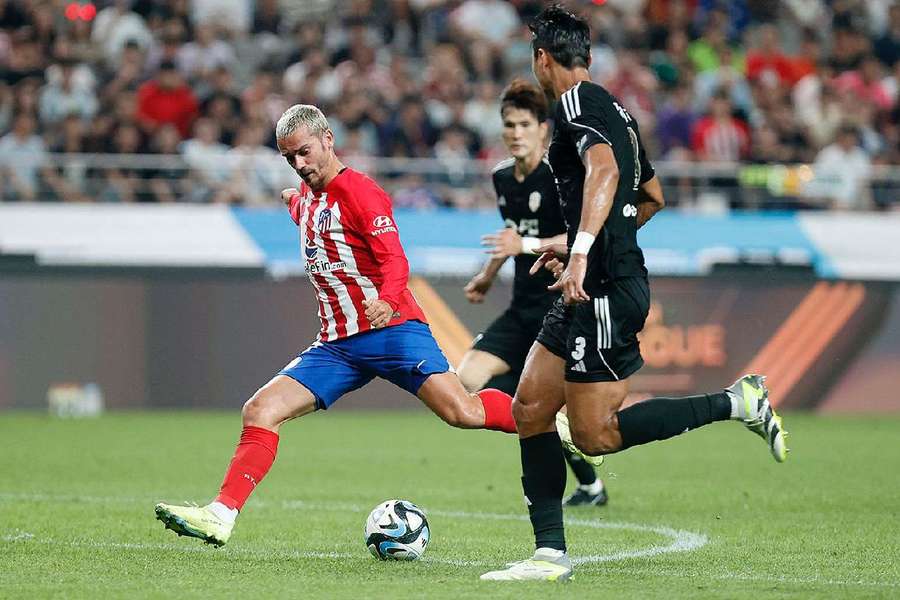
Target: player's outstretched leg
[[590, 490], [593, 433], [279, 400]]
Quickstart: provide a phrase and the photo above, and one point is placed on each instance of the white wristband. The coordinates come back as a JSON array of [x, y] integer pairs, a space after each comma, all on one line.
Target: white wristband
[[583, 242], [530, 245]]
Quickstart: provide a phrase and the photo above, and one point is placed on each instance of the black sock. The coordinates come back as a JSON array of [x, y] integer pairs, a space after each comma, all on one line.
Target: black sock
[[662, 418], [544, 481], [584, 472]]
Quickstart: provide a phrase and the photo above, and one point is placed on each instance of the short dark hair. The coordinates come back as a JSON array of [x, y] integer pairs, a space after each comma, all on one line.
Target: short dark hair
[[527, 96], [564, 36]]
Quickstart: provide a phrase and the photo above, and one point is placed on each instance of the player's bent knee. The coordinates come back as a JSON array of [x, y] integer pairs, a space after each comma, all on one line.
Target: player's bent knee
[[260, 410], [532, 418]]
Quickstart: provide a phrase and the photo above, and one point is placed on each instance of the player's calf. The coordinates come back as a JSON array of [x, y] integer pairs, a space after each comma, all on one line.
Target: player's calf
[[445, 395], [596, 439]]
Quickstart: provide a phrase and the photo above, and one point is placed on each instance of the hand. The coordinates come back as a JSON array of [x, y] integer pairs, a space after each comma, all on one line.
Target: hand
[[558, 250], [477, 287], [286, 195], [571, 282], [550, 258], [555, 266], [506, 242], [378, 312]]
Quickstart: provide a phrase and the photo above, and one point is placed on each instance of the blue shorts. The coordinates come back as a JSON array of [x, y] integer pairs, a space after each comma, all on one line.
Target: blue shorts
[[404, 354]]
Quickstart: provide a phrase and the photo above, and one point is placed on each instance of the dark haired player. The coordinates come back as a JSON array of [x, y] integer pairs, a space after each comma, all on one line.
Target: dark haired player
[[529, 205], [587, 348]]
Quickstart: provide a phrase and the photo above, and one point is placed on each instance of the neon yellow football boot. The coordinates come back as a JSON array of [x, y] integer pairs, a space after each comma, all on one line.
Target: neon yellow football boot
[[751, 398], [195, 521], [546, 565], [565, 436]]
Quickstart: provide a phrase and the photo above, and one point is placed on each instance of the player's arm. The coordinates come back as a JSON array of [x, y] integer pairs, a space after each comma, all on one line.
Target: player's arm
[[650, 200], [600, 180], [377, 226], [507, 242], [479, 285], [291, 198]]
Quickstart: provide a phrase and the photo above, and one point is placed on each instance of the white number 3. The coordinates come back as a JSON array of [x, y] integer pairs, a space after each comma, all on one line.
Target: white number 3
[[578, 352]]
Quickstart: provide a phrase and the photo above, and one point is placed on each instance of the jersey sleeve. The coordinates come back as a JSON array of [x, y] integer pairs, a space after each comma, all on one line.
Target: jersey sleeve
[[581, 115], [498, 193], [296, 207], [647, 170], [375, 220]]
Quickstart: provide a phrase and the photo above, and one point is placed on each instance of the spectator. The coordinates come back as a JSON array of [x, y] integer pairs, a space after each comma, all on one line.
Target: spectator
[[167, 182], [411, 131], [128, 75], [452, 150], [207, 158], [704, 52], [490, 20], [126, 183], [726, 78], [167, 99], [676, 120], [23, 162], [267, 18], [57, 100], [887, 47], [117, 25], [866, 84], [719, 136], [767, 62], [256, 171], [199, 58], [841, 172]]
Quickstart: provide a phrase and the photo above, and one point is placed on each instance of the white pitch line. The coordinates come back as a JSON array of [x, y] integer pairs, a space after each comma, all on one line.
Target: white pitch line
[[680, 541]]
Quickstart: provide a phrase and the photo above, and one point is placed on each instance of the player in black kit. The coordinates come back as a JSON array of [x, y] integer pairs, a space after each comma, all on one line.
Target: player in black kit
[[588, 348], [529, 205]]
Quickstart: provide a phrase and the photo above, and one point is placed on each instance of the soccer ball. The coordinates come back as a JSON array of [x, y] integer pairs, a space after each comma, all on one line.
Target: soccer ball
[[397, 530]]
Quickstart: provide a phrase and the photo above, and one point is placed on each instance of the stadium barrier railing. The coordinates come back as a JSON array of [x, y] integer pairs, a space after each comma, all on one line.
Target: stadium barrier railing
[[255, 176]]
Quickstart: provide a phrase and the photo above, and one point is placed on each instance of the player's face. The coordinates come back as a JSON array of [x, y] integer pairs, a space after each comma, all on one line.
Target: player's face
[[522, 133], [311, 156]]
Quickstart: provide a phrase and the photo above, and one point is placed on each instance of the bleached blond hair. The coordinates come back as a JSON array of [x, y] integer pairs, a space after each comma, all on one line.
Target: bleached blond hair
[[301, 115]]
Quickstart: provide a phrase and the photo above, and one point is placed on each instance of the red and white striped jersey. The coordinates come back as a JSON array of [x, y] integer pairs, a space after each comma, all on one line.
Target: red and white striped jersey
[[352, 251]]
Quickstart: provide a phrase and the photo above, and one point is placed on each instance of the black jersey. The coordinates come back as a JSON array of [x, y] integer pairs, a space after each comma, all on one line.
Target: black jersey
[[586, 115], [531, 207]]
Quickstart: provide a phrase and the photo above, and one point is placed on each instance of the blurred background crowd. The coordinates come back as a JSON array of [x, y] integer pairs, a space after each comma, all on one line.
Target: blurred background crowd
[[745, 103]]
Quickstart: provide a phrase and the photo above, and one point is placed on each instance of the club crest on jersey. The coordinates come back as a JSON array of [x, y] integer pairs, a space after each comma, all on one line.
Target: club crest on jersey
[[534, 201], [324, 222], [383, 224]]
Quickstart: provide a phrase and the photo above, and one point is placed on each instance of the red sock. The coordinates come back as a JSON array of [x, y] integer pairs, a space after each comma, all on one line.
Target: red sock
[[497, 410], [254, 456]]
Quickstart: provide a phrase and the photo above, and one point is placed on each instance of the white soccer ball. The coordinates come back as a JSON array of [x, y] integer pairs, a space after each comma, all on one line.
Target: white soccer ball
[[397, 530]]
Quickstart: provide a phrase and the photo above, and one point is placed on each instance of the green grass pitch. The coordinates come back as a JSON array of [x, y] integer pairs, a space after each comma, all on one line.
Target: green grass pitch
[[709, 514]]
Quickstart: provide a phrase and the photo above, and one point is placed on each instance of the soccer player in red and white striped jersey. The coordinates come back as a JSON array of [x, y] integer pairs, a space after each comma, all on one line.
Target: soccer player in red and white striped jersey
[[371, 324]]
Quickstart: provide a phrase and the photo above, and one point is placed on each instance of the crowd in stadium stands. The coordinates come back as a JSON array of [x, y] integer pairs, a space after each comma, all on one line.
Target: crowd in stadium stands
[[763, 82]]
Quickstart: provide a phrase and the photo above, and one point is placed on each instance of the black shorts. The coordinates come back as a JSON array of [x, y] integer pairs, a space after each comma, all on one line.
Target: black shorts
[[598, 339], [512, 334]]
